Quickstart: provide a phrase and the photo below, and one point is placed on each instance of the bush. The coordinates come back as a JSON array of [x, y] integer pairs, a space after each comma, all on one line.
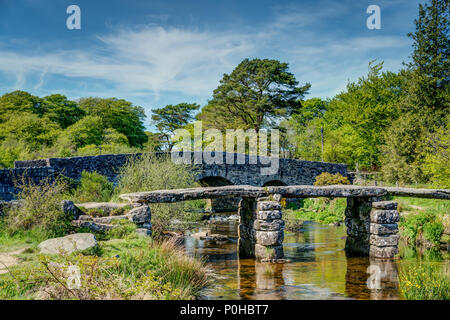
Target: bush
[[93, 187], [149, 172], [429, 224], [321, 210], [327, 179], [40, 209], [423, 282]]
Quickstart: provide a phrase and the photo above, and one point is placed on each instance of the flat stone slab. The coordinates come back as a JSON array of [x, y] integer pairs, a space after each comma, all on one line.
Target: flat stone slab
[[383, 252], [385, 205], [68, 244], [268, 225], [300, 191], [383, 229], [384, 241], [384, 216]]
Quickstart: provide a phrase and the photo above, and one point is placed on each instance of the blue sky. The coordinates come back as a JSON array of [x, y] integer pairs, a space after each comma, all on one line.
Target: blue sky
[[155, 53]]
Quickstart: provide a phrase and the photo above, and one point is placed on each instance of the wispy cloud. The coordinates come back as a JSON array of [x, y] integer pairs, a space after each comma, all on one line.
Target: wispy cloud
[[152, 59]]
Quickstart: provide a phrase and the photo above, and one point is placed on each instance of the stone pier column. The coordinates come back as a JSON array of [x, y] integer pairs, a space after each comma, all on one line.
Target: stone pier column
[[268, 229], [384, 230], [357, 221], [246, 241]]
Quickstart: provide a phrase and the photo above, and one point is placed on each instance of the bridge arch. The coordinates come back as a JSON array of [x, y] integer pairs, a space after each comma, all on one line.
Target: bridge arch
[[274, 183], [214, 181], [219, 204]]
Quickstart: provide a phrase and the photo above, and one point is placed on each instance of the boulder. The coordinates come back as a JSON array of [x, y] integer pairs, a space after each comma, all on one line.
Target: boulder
[[140, 214], [383, 229], [68, 244], [268, 225], [268, 205], [384, 216], [106, 207], [385, 205], [269, 238], [93, 226], [268, 215], [384, 241]]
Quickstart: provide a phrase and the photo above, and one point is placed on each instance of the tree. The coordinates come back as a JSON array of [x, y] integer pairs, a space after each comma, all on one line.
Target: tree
[[120, 115], [255, 94], [59, 109], [173, 117], [18, 101], [426, 100]]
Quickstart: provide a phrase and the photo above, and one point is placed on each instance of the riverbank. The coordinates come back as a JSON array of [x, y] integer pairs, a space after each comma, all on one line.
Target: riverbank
[[134, 267]]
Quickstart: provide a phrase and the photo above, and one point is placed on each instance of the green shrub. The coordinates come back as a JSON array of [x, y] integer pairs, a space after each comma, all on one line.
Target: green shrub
[[40, 209], [423, 282], [412, 226], [433, 231], [93, 187], [321, 210], [148, 173], [327, 179]]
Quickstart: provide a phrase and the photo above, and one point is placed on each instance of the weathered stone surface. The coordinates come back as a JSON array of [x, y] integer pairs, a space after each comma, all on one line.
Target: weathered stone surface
[[85, 217], [93, 226], [384, 241], [383, 252], [269, 238], [383, 229], [268, 215], [106, 207], [68, 244], [145, 225], [420, 193], [109, 219], [144, 232], [268, 205], [357, 246], [246, 248], [384, 216], [268, 225], [69, 208], [140, 214], [385, 205], [268, 252]]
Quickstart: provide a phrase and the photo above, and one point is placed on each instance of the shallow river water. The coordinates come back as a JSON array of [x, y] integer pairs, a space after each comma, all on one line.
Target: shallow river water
[[319, 268]]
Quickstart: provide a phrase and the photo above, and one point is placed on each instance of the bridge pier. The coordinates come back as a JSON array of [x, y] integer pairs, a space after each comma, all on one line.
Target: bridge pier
[[261, 228], [372, 228]]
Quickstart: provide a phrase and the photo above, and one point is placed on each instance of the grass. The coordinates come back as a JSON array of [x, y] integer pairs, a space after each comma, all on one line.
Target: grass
[[422, 220], [424, 282], [136, 268], [321, 210]]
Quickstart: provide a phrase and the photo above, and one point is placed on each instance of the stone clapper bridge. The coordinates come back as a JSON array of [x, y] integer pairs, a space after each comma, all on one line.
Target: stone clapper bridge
[[371, 222]]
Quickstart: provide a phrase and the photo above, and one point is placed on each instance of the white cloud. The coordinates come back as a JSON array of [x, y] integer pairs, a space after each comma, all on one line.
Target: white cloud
[[153, 60]]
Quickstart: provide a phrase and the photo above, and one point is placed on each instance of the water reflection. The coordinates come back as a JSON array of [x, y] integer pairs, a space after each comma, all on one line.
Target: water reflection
[[319, 269]]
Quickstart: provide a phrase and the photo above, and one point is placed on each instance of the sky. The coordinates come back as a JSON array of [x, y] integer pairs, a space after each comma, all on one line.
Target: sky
[[155, 53]]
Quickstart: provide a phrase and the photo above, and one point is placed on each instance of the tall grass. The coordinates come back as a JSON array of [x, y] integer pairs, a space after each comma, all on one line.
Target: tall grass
[[150, 172], [122, 269], [424, 282]]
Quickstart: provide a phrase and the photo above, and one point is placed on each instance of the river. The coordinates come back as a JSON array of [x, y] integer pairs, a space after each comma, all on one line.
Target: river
[[318, 268]]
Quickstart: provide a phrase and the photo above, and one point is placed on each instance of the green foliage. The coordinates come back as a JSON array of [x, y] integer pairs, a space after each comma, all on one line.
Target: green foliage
[[423, 282], [120, 115], [149, 172], [173, 117], [321, 210], [327, 179], [256, 92], [93, 188], [57, 108], [39, 209], [426, 223]]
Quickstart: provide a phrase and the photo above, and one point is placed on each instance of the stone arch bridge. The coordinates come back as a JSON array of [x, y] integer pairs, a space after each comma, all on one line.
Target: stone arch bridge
[[229, 169]]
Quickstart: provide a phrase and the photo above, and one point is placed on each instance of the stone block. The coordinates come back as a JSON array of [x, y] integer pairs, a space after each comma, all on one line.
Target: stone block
[[383, 252], [384, 241], [268, 205], [384, 216], [269, 225], [268, 215], [385, 205], [269, 238], [268, 252], [383, 229], [140, 214]]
